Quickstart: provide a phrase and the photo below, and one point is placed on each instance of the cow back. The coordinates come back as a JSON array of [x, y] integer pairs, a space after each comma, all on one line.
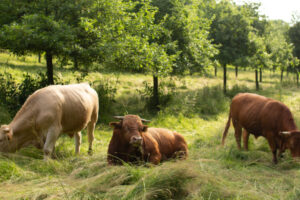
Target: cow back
[[168, 141]]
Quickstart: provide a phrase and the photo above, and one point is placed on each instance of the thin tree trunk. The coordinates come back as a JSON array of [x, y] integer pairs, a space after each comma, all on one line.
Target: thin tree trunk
[[49, 68], [224, 78], [281, 75], [216, 71], [155, 92], [236, 71], [256, 80], [297, 76], [260, 75], [39, 55]]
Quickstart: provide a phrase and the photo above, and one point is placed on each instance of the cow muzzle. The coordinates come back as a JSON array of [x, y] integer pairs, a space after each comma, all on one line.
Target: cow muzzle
[[136, 140]]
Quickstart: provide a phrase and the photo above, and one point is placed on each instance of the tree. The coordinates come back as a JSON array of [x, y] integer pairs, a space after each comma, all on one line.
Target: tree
[[230, 30], [187, 35], [259, 57], [53, 27], [294, 35], [278, 46], [130, 39]]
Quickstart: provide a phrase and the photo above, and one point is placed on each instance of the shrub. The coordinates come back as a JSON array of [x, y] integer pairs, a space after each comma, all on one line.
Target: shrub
[[210, 101], [237, 89], [106, 90], [166, 91]]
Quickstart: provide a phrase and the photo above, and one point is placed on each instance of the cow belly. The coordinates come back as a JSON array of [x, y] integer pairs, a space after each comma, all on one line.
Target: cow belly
[[74, 126], [76, 120]]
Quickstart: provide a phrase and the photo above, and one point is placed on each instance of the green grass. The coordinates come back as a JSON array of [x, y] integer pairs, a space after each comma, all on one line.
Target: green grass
[[198, 110]]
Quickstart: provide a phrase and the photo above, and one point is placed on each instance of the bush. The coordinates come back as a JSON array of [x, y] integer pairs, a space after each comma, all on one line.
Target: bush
[[166, 91], [106, 90], [210, 101], [237, 89]]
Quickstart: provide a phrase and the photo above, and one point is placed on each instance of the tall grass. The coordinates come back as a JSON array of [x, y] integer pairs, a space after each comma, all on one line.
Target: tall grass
[[197, 109]]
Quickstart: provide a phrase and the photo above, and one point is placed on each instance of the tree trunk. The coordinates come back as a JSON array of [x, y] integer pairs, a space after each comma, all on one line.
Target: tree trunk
[[297, 76], [260, 75], [49, 68], [224, 78], [236, 71], [281, 75], [155, 93], [256, 80], [216, 70], [39, 55]]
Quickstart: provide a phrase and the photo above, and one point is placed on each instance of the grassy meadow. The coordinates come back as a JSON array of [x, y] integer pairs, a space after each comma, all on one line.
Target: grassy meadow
[[196, 108]]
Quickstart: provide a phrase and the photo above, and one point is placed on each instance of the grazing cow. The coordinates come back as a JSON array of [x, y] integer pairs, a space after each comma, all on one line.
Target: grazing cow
[[132, 142], [47, 113], [265, 117]]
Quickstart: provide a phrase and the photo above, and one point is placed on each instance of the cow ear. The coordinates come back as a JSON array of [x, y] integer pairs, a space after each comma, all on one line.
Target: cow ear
[[115, 125], [6, 130], [145, 128]]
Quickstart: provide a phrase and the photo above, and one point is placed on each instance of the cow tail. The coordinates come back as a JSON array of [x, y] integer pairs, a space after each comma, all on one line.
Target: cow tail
[[226, 128]]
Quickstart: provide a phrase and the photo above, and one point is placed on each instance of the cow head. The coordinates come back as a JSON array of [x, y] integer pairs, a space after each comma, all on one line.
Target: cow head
[[131, 129], [291, 140], [5, 133]]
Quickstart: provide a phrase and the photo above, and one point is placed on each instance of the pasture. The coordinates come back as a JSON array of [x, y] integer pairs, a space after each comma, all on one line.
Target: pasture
[[196, 108]]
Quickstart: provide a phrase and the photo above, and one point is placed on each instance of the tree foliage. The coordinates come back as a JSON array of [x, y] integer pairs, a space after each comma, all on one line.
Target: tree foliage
[[149, 36]]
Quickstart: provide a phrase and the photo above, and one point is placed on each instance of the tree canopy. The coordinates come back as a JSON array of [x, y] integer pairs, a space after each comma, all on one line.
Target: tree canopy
[[151, 36]]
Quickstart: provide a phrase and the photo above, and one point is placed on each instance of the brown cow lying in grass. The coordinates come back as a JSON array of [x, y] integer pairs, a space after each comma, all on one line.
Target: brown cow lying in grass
[[265, 117], [132, 142]]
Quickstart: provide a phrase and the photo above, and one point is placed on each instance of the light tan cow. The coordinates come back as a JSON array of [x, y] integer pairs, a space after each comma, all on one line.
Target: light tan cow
[[48, 113]]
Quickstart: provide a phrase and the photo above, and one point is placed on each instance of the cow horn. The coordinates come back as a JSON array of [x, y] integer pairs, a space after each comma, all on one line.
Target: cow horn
[[119, 117], [145, 120], [285, 132]]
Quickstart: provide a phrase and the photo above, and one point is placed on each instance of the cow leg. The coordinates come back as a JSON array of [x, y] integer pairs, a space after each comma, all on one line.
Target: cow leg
[[90, 131], [273, 147], [77, 142], [246, 139], [237, 134], [155, 159], [280, 153], [53, 154], [51, 138]]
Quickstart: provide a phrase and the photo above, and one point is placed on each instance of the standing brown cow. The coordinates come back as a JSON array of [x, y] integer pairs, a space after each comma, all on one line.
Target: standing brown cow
[[265, 117], [132, 141]]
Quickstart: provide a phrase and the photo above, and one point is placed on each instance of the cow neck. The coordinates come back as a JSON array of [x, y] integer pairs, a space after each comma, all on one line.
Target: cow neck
[[288, 122], [119, 140], [23, 121]]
